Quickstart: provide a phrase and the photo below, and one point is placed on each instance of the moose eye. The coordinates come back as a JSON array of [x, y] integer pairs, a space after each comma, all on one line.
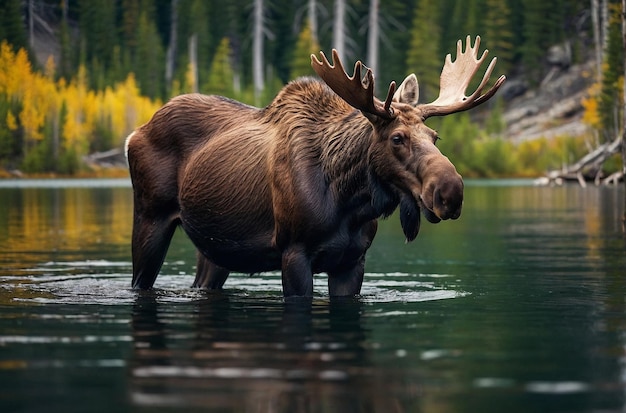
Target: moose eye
[[397, 139]]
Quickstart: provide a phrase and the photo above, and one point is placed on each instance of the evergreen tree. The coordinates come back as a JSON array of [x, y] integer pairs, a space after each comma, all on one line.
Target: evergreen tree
[[199, 27], [67, 44], [423, 56], [12, 27], [543, 27], [98, 33], [611, 98], [395, 20], [498, 37], [150, 68], [534, 47], [130, 23], [220, 81], [282, 39], [305, 46]]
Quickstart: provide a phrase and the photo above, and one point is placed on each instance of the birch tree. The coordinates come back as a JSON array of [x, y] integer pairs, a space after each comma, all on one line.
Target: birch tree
[[597, 37], [339, 28], [312, 16], [171, 48], [624, 113], [372, 36], [257, 51]]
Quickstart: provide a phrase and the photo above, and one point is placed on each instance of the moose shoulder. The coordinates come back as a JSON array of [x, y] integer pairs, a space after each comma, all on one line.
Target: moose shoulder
[[297, 185]]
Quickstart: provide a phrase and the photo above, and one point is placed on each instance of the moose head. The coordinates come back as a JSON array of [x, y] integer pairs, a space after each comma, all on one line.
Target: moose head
[[404, 154]]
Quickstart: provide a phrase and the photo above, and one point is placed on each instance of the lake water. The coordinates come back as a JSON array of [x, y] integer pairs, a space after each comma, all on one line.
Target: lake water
[[519, 306]]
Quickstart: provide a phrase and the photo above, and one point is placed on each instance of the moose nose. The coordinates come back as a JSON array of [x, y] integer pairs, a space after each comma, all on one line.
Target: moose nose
[[448, 198]]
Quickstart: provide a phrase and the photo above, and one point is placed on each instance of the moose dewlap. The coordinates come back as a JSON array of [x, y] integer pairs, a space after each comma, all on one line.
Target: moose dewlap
[[297, 185]]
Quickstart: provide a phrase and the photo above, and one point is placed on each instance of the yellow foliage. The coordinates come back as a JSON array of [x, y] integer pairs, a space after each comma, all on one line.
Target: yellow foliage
[[590, 104], [40, 101], [50, 68], [190, 78], [11, 121]]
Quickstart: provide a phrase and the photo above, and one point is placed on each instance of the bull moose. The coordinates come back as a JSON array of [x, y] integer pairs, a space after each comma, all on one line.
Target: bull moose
[[297, 185]]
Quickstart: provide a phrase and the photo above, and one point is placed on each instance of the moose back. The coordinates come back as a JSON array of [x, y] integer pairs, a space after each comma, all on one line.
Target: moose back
[[297, 185]]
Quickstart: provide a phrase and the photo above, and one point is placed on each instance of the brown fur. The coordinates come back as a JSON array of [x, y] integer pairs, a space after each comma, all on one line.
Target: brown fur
[[295, 186]]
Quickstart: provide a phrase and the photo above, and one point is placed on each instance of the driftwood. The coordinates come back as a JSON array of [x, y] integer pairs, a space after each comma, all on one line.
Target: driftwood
[[589, 166], [113, 158]]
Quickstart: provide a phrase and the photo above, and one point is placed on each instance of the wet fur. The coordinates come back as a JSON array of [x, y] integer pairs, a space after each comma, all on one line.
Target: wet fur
[[290, 186]]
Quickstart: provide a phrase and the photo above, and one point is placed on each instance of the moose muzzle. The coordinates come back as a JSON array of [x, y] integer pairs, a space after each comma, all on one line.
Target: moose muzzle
[[442, 196]]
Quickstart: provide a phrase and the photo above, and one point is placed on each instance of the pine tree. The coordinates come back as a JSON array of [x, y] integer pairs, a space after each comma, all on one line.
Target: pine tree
[[149, 57], [612, 76], [543, 27], [395, 19], [66, 65], [534, 46], [498, 37], [423, 56], [98, 32], [220, 81], [305, 46], [11, 26], [198, 25]]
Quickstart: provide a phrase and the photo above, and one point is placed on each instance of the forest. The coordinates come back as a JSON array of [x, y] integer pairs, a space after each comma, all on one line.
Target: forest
[[77, 76]]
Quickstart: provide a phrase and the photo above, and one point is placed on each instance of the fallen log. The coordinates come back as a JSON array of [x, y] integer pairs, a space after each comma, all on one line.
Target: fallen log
[[587, 166]]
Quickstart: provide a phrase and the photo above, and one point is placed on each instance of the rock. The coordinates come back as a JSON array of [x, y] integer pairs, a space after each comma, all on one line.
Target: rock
[[560, 55], [513, 88]]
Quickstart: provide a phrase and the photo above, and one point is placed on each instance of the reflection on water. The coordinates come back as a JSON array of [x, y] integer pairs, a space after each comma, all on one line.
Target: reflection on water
[[518, 307], [280, 357]]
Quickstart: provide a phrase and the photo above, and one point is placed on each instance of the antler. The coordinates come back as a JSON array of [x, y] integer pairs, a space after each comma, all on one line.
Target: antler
[[456, 77], [357, 92]]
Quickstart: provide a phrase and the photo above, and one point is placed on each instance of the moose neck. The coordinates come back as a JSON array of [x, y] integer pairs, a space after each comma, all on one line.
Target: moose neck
[[337, 138], [345, 160]]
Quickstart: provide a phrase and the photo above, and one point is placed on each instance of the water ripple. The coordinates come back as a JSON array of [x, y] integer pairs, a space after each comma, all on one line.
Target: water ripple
[[83, 282]]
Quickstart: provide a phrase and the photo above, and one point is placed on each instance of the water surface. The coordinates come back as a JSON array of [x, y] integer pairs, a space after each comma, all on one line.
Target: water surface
[[518, 306]]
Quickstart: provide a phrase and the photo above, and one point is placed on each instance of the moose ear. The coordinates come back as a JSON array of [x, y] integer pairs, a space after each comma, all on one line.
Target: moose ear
[[408, 92]]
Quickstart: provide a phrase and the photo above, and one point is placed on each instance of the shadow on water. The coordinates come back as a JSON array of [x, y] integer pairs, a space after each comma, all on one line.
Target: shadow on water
[[294, 356]]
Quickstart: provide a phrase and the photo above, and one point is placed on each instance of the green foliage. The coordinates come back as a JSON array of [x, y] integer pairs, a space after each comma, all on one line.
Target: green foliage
[[220, 81], [150, 54], [498, 34], [11, 26], [611, 99], [424, 56], [69, 162], [305, 46], [475, 153]]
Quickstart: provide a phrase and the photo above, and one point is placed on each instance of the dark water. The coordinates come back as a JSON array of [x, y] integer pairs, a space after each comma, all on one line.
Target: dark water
[[519, 306]]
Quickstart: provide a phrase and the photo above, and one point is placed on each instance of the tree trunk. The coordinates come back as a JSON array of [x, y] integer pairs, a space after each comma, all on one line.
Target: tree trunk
[[592, 162], [372, 36], [31, 24], [312, 15], [624, 118], [339, 28], [193, 62], [597, 37], [171, 48], [604, 10], [257, 52]]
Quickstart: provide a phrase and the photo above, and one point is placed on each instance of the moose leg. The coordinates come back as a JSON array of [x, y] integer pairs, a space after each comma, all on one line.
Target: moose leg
[[209, 275], [150, 241], [348, 279], [297, 275], [347, 283]]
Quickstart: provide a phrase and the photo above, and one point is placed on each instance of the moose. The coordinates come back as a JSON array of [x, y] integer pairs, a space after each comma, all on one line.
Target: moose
[[297, 185]]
